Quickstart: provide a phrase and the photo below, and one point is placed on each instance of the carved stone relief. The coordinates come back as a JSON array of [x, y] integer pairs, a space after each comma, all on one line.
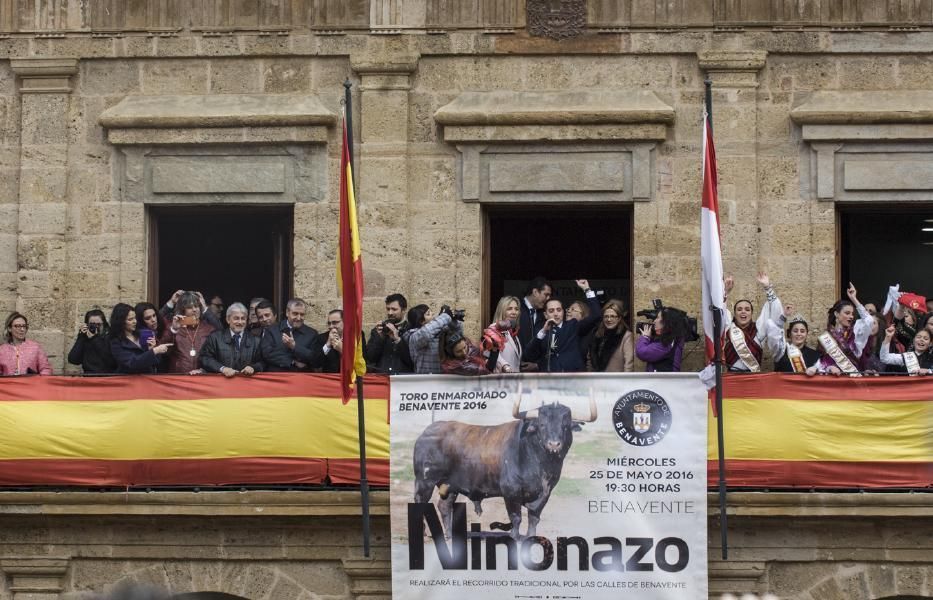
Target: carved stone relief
[[556, 19]]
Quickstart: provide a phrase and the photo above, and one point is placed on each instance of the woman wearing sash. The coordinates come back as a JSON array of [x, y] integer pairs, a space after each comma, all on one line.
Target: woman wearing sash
[[743, 338], [791, 353], [918, 360], [845, 340]]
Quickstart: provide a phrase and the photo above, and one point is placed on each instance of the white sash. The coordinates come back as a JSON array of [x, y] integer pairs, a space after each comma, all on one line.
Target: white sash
[[795, 356], [835, 352], [911, 362], [737, 337]]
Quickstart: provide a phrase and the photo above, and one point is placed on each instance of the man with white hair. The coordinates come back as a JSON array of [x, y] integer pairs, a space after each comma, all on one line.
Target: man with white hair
[[232, 351]]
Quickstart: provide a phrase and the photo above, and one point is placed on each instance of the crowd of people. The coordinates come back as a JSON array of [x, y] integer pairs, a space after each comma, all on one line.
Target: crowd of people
[[534, 333]]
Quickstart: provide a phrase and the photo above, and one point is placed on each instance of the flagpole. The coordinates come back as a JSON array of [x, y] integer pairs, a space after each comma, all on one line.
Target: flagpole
[[360, 405], [717, 349]]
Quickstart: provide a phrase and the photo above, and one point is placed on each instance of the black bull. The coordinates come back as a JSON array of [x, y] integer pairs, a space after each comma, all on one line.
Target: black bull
[[520, 461]]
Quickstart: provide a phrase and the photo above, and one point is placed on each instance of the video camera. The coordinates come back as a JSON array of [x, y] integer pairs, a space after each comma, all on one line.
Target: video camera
[[457, 314], [657, 306]]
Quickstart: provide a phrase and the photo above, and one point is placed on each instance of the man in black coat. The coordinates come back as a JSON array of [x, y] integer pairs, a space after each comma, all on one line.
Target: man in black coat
[[327, 346], [387, 351], [556, 347], [232, 351], [286, 346], [531, 319]]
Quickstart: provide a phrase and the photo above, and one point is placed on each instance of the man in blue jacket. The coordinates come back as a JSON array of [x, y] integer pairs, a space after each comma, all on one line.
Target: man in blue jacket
[[556, 348]]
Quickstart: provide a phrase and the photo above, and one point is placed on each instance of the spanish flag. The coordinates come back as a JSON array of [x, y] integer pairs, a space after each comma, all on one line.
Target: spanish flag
[[350, 277]]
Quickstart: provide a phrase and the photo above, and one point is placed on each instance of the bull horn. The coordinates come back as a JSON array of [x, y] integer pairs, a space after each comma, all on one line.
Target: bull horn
[[517, 404], [592, 413]]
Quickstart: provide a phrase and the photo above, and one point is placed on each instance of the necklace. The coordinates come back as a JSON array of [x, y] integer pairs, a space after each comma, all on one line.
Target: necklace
[[192, 339]]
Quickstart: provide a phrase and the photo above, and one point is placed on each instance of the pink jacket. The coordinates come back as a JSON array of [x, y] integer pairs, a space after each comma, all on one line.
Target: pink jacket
[[17, 360]]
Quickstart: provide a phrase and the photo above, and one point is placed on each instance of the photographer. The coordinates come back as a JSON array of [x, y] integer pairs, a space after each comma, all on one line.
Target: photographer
[[459, 356], [424, 335], [186, 334], [661, 344], [91, 349], [387, 350], [556, 348]]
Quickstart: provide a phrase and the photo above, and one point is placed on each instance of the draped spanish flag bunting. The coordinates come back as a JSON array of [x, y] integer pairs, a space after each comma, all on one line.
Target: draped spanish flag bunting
[[350, 277], [710, 245]]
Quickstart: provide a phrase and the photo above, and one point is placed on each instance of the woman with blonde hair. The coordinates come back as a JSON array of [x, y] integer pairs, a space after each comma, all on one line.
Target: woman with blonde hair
[[612, 346], [502, 334]]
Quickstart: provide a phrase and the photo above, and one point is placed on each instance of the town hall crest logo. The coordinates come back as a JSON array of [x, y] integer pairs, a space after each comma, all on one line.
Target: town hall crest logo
[[556, 19]]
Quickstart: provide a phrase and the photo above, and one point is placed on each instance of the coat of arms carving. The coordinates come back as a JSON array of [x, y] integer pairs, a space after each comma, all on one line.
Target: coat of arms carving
[[556, 19]]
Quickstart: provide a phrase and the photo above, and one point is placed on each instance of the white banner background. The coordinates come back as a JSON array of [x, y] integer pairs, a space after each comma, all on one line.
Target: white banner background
[[650, 495]]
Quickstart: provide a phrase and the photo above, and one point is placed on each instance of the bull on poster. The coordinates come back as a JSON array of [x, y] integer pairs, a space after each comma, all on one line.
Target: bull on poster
[[538, 486]]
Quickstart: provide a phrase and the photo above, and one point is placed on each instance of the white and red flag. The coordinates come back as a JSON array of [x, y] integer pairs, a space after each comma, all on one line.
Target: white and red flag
[[710, 248]]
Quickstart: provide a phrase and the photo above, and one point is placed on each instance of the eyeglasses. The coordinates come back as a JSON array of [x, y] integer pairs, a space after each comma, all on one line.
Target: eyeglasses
[[334, 323]]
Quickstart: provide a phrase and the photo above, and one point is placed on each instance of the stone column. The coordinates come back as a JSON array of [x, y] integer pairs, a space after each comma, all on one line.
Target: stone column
[[382, 174], [735, 127], [35, 578], [370, 578], [45, 88]]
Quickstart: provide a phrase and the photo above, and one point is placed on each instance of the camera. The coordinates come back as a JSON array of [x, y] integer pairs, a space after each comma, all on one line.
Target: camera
[[657, 306], [387, 321], [457, 314], [93, 327]]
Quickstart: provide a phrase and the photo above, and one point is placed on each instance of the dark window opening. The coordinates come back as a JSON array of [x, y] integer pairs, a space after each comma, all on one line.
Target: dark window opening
[[884, 246], [560, 243], [236, 252]]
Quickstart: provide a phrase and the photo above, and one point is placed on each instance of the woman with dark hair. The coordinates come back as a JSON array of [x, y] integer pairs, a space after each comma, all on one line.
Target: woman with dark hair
[[148, 319], [661, 345], [743, 337], [459, 356], [186, 334], [19, 356], [423, 336], [91, 349], [790, 351], [846, 337], [129, 354], [612, 347], [918, 360]]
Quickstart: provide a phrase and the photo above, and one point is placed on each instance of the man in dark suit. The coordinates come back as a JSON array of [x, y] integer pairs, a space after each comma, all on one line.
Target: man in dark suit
[[325, 352], [286, 346], [232, 351], [556, 347], [531, 319]]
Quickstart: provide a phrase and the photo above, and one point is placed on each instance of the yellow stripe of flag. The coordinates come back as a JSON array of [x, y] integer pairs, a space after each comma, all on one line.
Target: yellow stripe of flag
[[217, 428], [846, 431]]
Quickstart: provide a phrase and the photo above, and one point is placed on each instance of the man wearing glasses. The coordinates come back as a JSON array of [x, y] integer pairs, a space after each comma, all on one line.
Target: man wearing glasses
[[325, 353]]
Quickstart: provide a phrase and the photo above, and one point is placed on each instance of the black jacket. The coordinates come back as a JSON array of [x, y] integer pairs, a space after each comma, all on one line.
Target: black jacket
[[564, 341], [384, 355], [93, 354], [526, 330], [131, 358], [218, 351], [277, 357], [330, 362]]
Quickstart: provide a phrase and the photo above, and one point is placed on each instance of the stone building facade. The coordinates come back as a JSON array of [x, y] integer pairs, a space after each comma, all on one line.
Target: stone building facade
[[118, 116], [115, 113]]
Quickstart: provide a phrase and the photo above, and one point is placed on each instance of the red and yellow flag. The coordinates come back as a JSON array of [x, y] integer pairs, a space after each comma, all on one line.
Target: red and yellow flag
[[350, 277]]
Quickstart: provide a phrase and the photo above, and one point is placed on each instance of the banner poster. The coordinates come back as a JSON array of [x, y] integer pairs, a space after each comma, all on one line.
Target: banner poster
[[550, 487]]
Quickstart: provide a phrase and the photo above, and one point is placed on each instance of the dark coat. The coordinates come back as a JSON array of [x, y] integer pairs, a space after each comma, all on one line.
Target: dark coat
[[386, 356], [327, 363], [564, 341], [93, 354], [277, 357], [131, 358], [218, 351], [527, 331]]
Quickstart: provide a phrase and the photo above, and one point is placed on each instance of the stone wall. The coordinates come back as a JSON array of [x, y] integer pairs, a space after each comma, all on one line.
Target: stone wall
[[74, 235], [305, 545]]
